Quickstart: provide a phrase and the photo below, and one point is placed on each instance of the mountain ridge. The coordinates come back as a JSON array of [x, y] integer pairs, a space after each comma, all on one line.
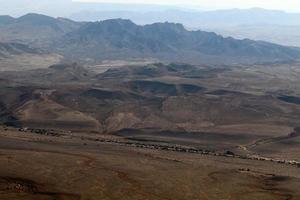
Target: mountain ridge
[[34, 28], [273, 26], [123, 39], [109, 39]]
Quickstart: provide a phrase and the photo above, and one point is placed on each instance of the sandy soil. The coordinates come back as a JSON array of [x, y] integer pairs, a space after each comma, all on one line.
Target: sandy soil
[[70, 167]]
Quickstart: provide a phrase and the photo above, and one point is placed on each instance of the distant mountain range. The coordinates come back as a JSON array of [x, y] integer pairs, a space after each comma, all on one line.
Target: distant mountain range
[[256, 23], [67, 7], [123, 39], [34, 28], [166, 41], [196, 19]]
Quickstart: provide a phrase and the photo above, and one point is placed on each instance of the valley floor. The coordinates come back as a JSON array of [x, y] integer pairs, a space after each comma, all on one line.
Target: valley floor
[[71, 166]]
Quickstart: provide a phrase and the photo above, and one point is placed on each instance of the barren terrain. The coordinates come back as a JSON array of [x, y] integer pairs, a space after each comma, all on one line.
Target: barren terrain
[[88, 166], [150, 131]]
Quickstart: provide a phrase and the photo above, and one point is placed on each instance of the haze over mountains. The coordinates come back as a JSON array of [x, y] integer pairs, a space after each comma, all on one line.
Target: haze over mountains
[[194, 18], [166, 41], [122, 39], [58, 7], [258, 24]]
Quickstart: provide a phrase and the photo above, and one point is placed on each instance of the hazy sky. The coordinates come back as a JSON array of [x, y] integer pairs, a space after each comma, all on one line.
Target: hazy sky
[[66, 8], [289, 5]]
